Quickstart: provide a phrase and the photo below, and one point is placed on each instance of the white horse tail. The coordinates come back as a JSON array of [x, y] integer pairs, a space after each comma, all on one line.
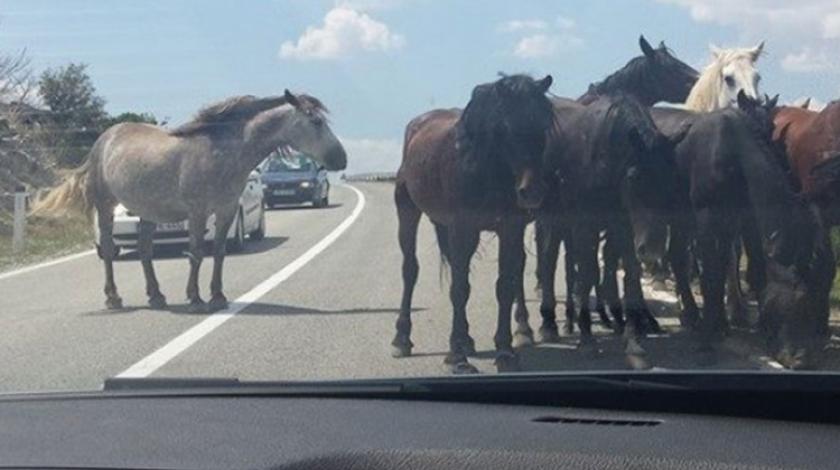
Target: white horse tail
[[73, 195]]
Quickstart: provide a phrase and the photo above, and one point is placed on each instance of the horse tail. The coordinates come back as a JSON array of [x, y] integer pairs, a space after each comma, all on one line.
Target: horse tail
[[442, 234], [73, 195]]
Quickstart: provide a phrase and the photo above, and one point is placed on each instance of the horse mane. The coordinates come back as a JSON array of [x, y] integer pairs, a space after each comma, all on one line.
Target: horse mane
[[635, 72], [480, 167], [239, 109], [703, 96]]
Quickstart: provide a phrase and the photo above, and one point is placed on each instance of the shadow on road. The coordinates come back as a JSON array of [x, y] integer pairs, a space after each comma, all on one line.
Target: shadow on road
[[303, 207], [177, 251]]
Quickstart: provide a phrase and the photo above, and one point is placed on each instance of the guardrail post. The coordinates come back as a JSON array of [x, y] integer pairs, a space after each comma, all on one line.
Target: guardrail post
[[19, 224]]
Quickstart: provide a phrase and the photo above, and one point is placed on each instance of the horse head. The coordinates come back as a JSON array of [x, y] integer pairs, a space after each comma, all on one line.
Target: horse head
[[505, 125], [730, 72], [306, 130], [672, 78]]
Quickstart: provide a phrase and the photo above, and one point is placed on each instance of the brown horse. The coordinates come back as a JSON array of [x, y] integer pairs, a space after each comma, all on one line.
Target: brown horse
[[812, 139], [473, 171]]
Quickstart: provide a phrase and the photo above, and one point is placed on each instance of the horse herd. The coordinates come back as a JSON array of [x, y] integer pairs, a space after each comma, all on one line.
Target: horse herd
[[727, 169], [663, 185]]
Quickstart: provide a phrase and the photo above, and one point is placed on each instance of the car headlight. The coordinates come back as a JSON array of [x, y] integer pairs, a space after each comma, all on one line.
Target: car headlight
[[305, 184]]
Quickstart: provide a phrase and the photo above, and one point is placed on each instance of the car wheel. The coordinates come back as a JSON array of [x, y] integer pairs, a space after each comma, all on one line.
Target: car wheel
[[237, 243], [259, 233]]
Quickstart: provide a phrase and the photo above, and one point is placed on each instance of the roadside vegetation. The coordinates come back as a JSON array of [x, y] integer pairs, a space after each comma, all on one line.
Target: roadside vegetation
[[48, 122]]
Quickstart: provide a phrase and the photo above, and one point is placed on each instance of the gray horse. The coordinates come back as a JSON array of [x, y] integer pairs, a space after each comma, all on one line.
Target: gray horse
[[188, 173]]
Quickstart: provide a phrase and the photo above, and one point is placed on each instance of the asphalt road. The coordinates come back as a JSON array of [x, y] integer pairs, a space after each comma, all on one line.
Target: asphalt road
[[318, 299]]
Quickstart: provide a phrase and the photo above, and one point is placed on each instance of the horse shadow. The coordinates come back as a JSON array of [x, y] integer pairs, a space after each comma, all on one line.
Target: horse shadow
[[176, 251]]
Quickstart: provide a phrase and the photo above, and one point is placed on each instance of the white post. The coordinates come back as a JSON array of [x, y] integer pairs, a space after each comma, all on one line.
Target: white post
[[19, 226]]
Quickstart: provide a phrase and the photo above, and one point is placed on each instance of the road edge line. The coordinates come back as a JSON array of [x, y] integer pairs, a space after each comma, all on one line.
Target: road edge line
[[45, 264], [160, 357]]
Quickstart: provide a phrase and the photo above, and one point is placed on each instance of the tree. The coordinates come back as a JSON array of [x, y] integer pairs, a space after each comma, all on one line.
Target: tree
[[78, 112], [129, 116]]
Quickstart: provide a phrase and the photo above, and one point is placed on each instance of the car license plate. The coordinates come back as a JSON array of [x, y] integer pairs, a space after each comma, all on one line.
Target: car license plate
[[284, 192], [172, 226]]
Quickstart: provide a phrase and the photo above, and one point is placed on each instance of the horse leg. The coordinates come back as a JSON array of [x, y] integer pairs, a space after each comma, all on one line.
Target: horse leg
[[408, 217], [714, 253], [736, 308], [197, 225], [680, 264], [638, 321], [523, 336], [508, 284], [145, 241], [756, 264], [570, 271], [607, 293], [224, 219], [462, 245], [586, 255], [548, 247], [107, 251]]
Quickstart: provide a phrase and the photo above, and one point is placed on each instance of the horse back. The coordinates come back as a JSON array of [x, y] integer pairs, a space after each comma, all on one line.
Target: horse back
[[429, 163]]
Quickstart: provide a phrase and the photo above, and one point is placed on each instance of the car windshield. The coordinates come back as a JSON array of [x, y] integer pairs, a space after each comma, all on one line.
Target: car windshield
[[287, 164], [316, 190]]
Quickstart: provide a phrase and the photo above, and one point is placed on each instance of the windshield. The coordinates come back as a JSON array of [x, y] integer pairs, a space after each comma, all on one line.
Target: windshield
[[292, 163], [580, 186]]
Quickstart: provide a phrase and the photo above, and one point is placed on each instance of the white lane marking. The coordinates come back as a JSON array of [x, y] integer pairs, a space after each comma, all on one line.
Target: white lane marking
[[170, 350], [46, 264]]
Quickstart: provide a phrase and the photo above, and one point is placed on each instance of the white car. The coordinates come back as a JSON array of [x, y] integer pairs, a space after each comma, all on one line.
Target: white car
[[250, 221]]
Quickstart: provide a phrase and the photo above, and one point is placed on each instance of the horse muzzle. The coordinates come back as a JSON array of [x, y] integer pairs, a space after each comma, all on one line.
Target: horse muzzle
[[530, 191]]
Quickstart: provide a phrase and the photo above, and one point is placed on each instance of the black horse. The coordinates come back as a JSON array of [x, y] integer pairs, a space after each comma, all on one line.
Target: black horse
[[597, 153], [471, 171], [731, 177], [653, 77]]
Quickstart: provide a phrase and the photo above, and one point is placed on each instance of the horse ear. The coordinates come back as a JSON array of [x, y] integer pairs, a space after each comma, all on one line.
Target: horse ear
[[662, 46], [715, 50], [806, 104], [546, 82], [755, 52], [772, 102], [646, 48], [291, 99]]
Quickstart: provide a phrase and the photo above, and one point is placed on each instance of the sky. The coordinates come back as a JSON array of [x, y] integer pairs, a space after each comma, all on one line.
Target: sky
[[378, 63]]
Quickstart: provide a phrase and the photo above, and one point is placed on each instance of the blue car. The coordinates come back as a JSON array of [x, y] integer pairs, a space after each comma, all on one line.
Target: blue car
[[294, 179]]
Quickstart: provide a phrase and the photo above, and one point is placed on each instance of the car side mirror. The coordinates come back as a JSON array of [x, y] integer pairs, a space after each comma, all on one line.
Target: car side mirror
[[322, 168]]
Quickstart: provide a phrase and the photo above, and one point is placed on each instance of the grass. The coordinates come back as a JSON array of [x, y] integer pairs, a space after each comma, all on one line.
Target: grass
[[46, 239]]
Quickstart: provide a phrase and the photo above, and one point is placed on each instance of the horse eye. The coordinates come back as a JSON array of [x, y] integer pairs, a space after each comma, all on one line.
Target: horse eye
[[730, 81]]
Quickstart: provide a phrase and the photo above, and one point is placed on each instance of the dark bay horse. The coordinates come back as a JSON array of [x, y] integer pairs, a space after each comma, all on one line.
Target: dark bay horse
[[728, 170], [650, 78], [188, 173], [591, 153], [469, 171]]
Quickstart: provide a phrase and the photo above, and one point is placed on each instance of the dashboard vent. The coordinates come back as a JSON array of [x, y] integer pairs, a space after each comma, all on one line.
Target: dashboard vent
[[598, 421]]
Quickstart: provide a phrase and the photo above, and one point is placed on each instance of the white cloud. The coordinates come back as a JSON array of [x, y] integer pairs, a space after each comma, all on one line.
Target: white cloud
[[344, 32], [540, 39], [514, 26], [831, 26], [807, 60], [372, 155]]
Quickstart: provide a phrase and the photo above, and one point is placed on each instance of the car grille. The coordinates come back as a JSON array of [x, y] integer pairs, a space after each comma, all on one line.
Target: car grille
[[284, 185]]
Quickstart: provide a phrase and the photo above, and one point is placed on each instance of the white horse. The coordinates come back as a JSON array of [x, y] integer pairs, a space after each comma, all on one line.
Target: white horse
[[730, 71]]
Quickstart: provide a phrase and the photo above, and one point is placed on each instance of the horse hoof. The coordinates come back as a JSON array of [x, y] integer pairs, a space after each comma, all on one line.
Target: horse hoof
[[197, 306], [690, 319], [633, 348], [217, 303], [463, 368], [157, 302], [549, 335], [114, 303], [523, 340], [638, 362], [740, 321], [507, 362], [401, 347]]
